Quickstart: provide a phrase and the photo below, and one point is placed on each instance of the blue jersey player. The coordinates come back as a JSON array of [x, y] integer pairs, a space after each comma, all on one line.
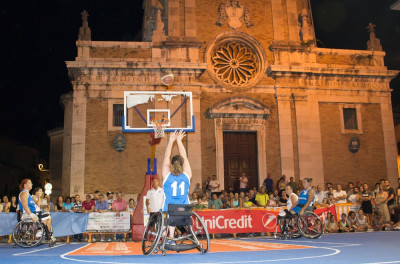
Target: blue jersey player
[[176, 173]]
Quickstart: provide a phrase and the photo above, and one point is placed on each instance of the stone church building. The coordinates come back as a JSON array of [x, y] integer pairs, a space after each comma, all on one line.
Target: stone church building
[[266, 99]]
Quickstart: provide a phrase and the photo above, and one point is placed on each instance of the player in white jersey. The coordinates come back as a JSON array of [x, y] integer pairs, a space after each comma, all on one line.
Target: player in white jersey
[[176, 173]]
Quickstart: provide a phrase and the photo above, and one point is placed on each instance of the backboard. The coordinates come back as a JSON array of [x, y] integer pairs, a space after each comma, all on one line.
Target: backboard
[[140, 107]]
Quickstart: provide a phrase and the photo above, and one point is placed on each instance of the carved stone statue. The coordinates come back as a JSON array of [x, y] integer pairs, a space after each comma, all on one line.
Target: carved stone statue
[[373, 43], [84, 30], [306, 30], [234, 11], [158, 32]]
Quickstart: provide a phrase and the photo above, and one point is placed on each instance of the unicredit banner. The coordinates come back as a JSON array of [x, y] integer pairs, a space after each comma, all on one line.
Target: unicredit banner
[[247, 220]]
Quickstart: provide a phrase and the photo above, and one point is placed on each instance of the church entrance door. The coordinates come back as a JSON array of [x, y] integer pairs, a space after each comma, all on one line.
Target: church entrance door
[[240, 155]]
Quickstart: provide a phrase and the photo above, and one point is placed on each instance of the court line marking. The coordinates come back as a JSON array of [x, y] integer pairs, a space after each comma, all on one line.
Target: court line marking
[[23, 253], [395, 261], [335, 252]]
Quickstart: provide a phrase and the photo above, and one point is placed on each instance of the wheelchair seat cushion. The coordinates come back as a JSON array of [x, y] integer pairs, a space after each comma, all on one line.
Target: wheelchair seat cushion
[[180, 214]]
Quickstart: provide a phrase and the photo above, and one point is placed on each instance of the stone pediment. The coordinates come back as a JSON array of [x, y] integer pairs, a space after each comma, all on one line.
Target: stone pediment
[[239, 108]]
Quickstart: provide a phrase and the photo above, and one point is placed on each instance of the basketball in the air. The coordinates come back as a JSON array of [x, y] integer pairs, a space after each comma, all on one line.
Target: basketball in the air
[[167, 79]]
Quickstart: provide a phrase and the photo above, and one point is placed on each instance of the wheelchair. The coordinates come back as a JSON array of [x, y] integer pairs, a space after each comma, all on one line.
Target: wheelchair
[[28, 234], [187, 236], [292, 226]]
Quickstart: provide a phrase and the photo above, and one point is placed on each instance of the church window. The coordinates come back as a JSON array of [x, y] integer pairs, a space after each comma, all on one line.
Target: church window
[[118, 112], [350, 118]]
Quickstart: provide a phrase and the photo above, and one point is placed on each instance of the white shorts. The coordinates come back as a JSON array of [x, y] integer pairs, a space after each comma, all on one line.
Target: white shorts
[[25, 216]]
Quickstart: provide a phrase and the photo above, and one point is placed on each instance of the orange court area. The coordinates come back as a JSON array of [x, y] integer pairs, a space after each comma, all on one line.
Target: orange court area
[[220, 245]]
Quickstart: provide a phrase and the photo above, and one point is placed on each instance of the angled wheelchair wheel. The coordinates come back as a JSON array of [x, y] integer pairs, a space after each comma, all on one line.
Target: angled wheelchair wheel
[[152, 233], [28, 233], [201, 233], [289, 228], [310, 225]]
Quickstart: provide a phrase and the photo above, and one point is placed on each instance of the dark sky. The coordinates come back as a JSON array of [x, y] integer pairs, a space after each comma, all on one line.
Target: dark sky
[[37, 37]]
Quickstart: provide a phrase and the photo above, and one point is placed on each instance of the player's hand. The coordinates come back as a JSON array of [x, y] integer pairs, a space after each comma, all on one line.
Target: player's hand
[[180, 135], [34, 217], [173, 136], [301, 212]]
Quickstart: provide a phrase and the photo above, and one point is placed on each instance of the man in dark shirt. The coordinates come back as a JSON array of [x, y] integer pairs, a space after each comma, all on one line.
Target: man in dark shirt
[[268, 183], [391, 199]]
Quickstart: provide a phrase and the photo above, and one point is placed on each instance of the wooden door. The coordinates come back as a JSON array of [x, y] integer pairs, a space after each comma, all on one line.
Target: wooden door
[[240, 155]]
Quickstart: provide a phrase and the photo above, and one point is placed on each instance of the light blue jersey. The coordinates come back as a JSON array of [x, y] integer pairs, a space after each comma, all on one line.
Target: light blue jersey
[[176, 190], [303, 198], [31, 203]]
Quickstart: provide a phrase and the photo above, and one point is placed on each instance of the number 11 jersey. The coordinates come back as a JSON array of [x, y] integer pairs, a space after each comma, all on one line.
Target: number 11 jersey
[[176, 190]]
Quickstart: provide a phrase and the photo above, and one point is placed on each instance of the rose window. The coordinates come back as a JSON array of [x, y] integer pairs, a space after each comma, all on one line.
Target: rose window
[[234, 63]]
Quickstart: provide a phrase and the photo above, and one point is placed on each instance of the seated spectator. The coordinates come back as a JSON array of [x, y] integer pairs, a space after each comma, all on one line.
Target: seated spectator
[[207, 196], [204, 200], [395, 218], [272, 201], [199, 205], [213, 207], [247, 203], [88, 204], [242, 195], [283, 199], [72, 199], [14, 204], [340, 195], [226, 204], [352, 218], [68, 205], [193, 198], [378, 222], [77, 204], [6, 204], [362, 221], [354, 197], [222, 197], [252, 196], [262, 198], [101, 205], [59, 204], [331, 226], [215, 201], [236, 202], [344, 225]]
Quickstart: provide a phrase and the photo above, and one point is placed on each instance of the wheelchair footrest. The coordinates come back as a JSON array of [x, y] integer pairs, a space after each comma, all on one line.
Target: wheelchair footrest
[[180, 247]]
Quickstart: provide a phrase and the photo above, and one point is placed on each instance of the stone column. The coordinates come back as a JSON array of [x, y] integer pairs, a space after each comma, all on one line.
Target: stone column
[[173, 20], [389, 140], [66, 159], [277, 20], [78, 142], [285, 134], [309, 139], [190, 19], [293, 23], [194, 150]]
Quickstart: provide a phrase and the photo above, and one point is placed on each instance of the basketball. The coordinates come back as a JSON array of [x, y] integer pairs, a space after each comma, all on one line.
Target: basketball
[[167, 79]]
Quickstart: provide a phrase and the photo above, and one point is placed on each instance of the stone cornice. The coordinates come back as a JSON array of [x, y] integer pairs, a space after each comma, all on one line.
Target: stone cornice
[[134, 65]]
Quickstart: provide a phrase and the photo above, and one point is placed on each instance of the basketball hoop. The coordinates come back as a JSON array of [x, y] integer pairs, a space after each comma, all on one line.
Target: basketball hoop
[[159, 124]]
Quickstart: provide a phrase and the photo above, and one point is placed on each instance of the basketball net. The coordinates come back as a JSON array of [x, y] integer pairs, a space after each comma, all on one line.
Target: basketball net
[[159, 126]]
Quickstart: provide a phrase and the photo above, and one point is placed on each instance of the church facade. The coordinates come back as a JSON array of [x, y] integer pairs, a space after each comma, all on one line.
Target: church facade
[[266, 99]]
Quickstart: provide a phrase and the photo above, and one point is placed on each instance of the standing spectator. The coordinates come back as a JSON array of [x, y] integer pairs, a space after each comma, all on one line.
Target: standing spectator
[[110, 199], [366, 205], [154, 198], [331, 200], [206, 185], [340, 195], [381, 204], [101, 206], [324, 203], [262, 198], [77, 204], [354, 197], [214, 184], [391, 199], [59, 204], [268, 183], [398, 193], [51, 205], [6, 204], [285, 181], [88, 204], [215, 201], [1, 206], [96, 196], [293, 184], [119, 205], [272, 201], [236, 202], [14, 204], [243, 182], [350, 189], [319, 195], [198, 189], [131, 206], [281, 185]]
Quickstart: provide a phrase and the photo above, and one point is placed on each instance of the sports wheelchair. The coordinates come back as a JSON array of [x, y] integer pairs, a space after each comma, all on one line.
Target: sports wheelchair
[[187, 236], [28, 234], [308, 225]]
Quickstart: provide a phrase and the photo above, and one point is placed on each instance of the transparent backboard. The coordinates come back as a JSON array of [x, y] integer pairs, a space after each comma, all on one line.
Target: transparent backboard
[[141, 107]]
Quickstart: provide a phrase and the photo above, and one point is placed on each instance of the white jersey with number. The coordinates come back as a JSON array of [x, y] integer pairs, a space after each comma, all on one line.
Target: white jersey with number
[[176, 190]]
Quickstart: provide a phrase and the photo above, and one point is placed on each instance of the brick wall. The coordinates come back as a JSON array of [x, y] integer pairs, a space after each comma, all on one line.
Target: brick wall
[[340, 165]]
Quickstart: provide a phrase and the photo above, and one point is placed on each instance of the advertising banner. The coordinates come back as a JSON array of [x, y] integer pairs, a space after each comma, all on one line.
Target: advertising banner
[[109, 222]]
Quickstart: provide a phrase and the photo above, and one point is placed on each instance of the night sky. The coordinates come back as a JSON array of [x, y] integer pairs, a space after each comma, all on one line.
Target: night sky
[[37, 37]]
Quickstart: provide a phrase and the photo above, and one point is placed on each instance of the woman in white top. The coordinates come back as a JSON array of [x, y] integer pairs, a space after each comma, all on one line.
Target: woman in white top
[[291, 202], [38, 199]]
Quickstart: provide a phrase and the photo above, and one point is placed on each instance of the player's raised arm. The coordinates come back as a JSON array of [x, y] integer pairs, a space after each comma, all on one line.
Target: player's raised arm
[[182, 151], [167, 158]]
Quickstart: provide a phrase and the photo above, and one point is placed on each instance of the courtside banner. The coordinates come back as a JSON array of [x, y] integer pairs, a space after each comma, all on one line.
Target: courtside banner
[[109, 221], [252, 220]]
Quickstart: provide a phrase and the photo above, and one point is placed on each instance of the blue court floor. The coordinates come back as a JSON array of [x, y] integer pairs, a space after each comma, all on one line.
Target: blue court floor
[[374, 247]]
